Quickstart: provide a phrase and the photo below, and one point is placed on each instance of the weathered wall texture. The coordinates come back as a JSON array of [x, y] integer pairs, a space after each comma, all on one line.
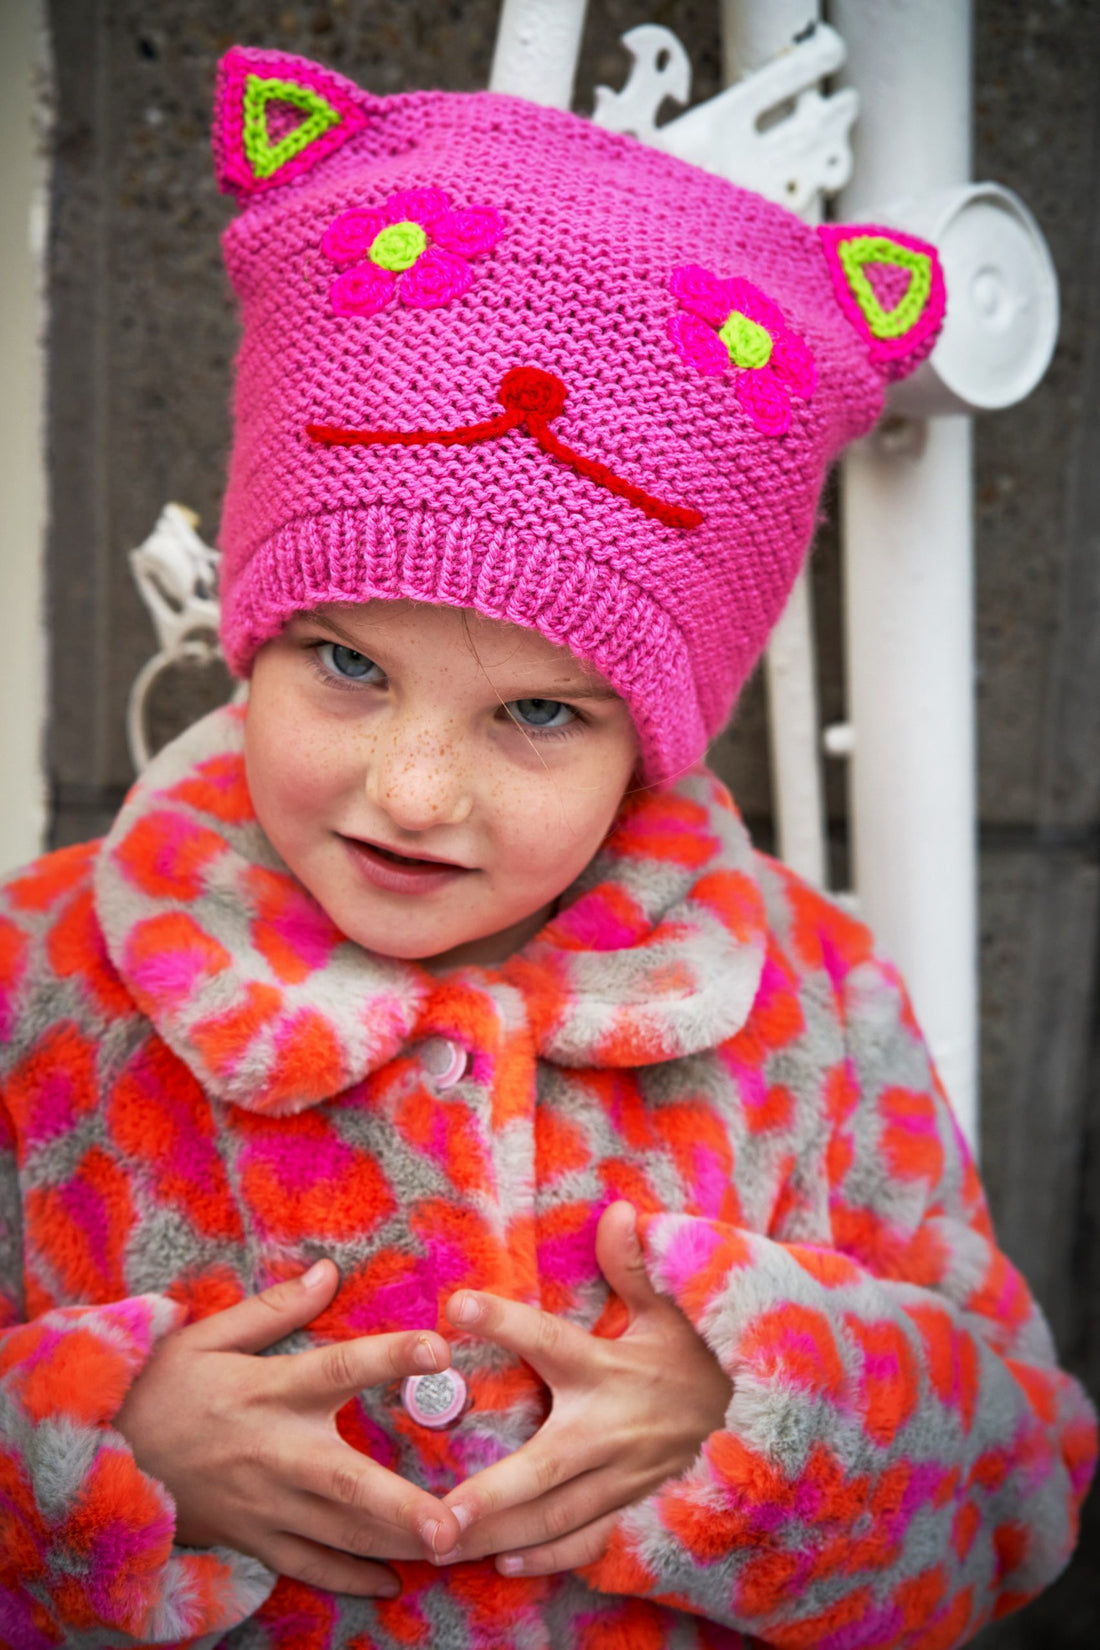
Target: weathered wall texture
[[142, 338]]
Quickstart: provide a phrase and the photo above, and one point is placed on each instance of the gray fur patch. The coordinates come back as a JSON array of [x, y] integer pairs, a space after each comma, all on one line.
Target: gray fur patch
[[59, 1455]]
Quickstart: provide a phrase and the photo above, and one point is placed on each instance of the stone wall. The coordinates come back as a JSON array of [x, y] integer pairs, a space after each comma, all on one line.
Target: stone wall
[[141, 341]]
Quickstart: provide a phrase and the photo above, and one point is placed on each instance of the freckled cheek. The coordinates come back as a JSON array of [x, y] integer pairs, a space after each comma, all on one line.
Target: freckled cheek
[[294, 783], [536, 837]]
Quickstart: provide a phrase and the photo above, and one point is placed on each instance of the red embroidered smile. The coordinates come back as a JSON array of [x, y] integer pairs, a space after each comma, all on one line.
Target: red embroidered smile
[[531, 398]]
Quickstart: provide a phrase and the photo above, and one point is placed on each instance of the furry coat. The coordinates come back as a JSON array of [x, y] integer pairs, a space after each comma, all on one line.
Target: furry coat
[[205, 1087]]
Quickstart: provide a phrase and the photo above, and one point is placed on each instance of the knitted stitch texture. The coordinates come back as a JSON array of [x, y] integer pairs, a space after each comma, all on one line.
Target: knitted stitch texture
[[692, 360], [204, 1086]]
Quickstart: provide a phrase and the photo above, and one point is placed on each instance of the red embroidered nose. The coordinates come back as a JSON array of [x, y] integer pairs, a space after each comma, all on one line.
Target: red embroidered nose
[[532, 398], [530, 390]]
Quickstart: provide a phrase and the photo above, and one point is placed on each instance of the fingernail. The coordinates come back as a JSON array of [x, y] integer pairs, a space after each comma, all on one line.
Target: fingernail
[[453, 1557], [465, 1309], [429, 1532], [316, 1275], [463, 1517], [425, 1356], [510, 1566], [388, 1589]]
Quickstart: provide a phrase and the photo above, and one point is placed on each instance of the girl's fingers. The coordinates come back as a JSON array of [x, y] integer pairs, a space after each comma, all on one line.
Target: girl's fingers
[[619, 1253], [324, 1567], [263, 1319], [572, 1552], [359, 1488], [316, 1519], [557, 1350], [552, 1517], [555, 1455], [327, 1376]]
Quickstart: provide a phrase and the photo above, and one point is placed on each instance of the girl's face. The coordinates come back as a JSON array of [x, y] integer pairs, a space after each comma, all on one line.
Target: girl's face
[[434, 778]]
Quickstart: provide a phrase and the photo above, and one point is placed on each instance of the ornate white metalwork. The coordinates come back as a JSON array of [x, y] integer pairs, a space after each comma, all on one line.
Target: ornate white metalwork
[[775, 131], [661, 69], [176, 573]]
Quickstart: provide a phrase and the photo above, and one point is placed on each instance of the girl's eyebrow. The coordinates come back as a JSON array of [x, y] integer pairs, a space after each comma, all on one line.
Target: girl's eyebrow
[[590, 690], [353, 642], [593, 692]]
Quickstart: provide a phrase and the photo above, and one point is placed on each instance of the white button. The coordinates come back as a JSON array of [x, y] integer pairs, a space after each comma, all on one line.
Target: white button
[[444, 1061], [434, 1400]]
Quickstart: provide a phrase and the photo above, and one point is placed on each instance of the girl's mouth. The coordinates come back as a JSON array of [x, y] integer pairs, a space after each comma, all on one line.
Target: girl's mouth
[[398, 873]]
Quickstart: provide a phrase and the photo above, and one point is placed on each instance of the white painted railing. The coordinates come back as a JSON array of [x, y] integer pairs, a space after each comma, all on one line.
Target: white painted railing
[[907, 512]]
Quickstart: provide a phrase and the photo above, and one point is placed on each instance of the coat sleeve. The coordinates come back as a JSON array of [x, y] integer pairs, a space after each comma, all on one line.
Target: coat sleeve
[[86, 1538], [902, 1459]]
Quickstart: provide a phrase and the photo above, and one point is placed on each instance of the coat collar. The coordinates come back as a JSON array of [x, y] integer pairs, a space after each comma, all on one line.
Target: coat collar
[[657, 951]]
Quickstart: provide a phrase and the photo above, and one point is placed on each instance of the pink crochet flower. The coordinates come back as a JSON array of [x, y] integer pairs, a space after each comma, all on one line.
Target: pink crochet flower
[[731, 322], [414, 245]]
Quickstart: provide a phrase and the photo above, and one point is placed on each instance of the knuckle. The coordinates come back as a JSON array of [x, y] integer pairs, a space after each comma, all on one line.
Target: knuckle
[[277, 1298], [545, 1473], [338, 1365], [310, 1569], [399, 1352], [558, 1557], [487, 1502], [312, 1572], [544, 1559], [558, 1520], [346, 1488], [255, 1451], [353, 1538], [548, 1333], [407, 1513], [593, 1546]]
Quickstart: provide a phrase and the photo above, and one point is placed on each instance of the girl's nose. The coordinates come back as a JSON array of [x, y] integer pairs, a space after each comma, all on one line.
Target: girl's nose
[[418, 778]]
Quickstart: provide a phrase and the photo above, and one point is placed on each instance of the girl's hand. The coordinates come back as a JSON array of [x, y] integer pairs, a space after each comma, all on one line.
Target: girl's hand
[[627, 1415], [249, 1450]]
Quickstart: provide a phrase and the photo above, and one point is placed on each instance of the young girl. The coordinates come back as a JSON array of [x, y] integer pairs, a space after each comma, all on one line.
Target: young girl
[[429, 1024]]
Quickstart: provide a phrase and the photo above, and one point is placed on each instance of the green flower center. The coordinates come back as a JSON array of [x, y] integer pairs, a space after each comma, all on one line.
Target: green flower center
[[398, 246], [748, 342]]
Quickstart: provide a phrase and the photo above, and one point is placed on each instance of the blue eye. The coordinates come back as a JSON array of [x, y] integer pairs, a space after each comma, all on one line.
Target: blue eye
[[346, 663], [541, 714]]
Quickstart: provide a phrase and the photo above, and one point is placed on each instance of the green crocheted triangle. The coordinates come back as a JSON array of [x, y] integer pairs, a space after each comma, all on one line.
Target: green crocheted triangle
[[265, 157], [862, 250]]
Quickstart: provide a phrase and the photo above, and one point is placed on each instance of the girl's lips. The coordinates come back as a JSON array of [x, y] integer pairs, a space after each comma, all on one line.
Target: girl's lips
[[397, 874]]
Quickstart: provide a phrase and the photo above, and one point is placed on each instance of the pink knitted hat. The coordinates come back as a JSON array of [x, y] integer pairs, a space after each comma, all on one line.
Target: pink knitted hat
[[496, 357]]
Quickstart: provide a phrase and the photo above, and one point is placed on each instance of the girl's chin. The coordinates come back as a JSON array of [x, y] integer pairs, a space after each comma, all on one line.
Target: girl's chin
[[448, 947], [490, 950]]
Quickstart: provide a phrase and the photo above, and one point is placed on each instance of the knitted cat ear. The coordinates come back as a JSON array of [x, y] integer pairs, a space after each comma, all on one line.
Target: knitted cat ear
[[890, 286], [277, 116]]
